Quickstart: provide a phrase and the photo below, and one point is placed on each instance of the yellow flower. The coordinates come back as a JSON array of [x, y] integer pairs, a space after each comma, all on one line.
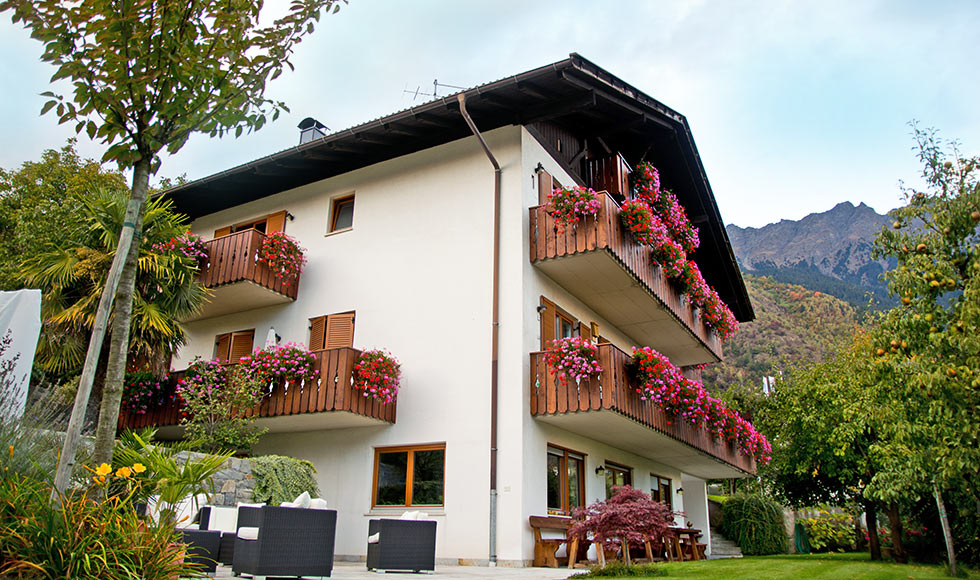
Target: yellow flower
[[103, 469], [124, 472], [101, 479], [11, 451], [138, 468]]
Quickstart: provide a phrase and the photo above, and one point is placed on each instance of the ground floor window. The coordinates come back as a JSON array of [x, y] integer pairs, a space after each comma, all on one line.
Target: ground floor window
[[660, 490], [617, 475], [410, 475], [566, 480]]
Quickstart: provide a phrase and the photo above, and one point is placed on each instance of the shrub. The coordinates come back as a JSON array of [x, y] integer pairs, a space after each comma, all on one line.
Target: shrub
[[755, 523], [572, 357], [378, 374], [87, 536], [832, 531], [621, 570], [279, 478], [215, 398], [630, 515]]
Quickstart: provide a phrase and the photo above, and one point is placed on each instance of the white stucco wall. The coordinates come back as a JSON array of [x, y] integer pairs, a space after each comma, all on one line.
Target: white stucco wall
[[415, 268]]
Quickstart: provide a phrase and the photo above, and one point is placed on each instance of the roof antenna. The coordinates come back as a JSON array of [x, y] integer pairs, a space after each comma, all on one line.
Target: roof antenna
[[435, 90]]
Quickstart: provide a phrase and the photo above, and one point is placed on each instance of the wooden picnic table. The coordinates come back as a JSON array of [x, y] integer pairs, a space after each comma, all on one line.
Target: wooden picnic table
[[692, 535]]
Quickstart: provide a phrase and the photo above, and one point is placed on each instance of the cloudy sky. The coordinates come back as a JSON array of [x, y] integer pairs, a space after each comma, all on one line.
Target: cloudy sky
[[795, 105]]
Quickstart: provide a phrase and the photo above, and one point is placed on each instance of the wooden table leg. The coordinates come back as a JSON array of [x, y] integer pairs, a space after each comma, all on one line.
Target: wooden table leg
[[572, 552]]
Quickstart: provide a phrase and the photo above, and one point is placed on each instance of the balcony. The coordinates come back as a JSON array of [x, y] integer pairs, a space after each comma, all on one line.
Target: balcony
[[600, 264], [238, 281], [328, 402], [608, 409]]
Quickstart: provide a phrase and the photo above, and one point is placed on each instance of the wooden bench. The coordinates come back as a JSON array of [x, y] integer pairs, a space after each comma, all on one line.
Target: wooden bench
[[545, 548]]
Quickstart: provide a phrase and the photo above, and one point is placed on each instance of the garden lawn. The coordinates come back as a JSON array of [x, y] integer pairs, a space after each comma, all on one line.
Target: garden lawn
[[816, 566]]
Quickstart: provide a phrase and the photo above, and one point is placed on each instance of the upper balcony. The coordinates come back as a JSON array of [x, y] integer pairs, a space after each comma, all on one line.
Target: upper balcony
[[598, 261], [328, 402], [607, 408], [238, 281]]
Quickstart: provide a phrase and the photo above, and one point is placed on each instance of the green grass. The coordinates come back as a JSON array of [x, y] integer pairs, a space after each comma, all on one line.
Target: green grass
[[809, 566]]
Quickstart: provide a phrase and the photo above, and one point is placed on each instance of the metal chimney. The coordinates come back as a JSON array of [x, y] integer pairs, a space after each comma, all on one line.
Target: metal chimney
[[310, 129]]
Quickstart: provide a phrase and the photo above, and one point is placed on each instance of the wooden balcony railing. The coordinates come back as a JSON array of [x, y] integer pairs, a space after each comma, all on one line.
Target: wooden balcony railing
[[605, 234], [331, 390], [233, 258], [613, 390]]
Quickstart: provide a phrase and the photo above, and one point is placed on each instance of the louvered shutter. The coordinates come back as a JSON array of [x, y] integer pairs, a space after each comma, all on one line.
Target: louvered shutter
[[340, 330], [275, 222], [547, 323], [241, 345], [318, 327], [584, 332], [544, 186], [222, 344], [222, 232]]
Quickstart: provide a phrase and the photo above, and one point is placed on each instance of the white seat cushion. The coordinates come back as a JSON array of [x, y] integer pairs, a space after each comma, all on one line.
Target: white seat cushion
[[248, 533], [411, 515], [223, 519], [374, 538], [302, 500], [318, 503]]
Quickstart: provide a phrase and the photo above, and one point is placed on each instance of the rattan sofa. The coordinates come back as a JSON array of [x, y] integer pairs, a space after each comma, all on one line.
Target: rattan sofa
[[290, 542], [402, 545]]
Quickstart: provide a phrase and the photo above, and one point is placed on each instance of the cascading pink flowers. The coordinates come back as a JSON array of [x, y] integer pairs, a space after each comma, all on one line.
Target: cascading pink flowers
[[570, 204], [663, 384], [574, 358], [378, 374], [283, 255], [291, 362]]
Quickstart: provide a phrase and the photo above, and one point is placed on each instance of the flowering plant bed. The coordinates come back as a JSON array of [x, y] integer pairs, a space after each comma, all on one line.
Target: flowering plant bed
[[570, 204], [289, 362], [663, 384], [377, 373], [143, 391], [573, 357], [283, 256], [190, 246]]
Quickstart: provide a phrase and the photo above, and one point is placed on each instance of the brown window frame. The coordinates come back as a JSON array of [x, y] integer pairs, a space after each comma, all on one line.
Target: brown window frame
[[668, 499], [409, 473], [613, 467], [566, 508], [335, 207]]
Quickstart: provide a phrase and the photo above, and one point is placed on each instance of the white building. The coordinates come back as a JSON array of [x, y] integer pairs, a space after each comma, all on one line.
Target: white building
[[397, 218]]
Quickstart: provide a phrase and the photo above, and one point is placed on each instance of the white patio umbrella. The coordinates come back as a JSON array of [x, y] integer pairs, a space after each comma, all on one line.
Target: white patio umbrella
[[271, 338]]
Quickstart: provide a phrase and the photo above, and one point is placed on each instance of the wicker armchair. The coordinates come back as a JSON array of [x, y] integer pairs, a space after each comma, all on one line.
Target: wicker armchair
[[202, 548], [402, 545], [291, 542]]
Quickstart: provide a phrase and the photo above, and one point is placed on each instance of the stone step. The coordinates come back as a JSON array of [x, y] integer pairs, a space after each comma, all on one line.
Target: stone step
[[722, 547]]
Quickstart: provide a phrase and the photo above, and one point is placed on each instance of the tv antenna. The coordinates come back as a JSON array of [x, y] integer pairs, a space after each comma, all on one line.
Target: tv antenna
[[435, 90]]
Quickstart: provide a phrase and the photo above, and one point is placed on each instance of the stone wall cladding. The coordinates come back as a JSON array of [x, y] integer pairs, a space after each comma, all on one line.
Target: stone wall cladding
[[233, 484]]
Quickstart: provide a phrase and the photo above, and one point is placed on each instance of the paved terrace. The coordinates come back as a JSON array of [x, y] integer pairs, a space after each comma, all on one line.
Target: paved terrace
[[358, 570]]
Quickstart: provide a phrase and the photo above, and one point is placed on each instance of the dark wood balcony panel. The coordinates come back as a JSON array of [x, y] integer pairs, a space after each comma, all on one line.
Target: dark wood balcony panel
[[608, 409], [328, 402], [598, 262], [238, 281]]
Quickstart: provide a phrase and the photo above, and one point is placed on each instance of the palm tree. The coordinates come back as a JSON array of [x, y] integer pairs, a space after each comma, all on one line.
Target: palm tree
[[72, 280]]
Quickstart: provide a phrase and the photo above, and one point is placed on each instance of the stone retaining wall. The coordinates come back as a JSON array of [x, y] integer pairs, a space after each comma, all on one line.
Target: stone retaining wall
[[233, 484]]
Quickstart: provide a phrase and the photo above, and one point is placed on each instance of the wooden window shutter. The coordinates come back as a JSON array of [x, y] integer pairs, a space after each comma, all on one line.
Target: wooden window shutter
[[544, 186], [241, 345], [318, 326], [585, 332], [222, 232], [275, 222], [547, 322], [340, 330], [222, 344]]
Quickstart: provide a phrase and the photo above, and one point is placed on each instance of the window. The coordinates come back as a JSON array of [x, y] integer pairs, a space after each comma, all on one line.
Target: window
[[617, 475], [660, 490], [556, 323], [564, 327], [274, 222], [409, 476], [566, 480], [333, 331], [342, 214], [231, 346]]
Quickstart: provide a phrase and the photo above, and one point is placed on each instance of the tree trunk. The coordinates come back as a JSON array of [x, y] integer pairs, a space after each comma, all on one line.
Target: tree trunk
[[105, 434], [947, 534], [73, 434], [895, 521], [871, 515]]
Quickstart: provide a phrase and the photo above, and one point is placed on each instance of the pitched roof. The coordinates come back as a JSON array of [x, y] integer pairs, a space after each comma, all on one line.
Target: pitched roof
[[573, 92]]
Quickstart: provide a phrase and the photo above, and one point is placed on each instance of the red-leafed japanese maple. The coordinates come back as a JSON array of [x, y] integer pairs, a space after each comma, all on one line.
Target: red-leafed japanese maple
[[630, 515]]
